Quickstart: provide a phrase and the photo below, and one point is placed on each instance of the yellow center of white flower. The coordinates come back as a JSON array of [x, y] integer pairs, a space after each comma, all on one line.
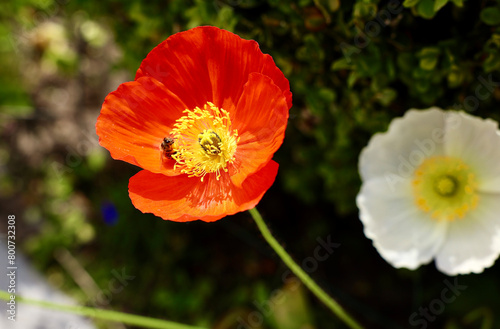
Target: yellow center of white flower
[[445, 187], [204, 141]]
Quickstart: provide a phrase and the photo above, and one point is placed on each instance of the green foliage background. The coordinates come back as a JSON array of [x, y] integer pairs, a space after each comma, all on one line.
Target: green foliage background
[[352, 66]]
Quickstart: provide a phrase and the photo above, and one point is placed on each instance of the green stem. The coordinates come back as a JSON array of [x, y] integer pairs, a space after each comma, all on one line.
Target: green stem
[[299, 272], [96, 313]]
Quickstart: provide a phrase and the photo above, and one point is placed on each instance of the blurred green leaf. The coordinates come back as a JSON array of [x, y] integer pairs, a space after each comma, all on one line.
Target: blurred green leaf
[[439, 4], [491, 63], [386, 96], [490, 15], [333, 5], [493, 44], [369, 63], [291, 309], [422, 86], [455, 77], [341, 64], [410, 3], [429, 58], [481, 314], [96, 160], [405, 61], [391, 68], [364, 10], [425, 8], [458, 3], [351, 80]]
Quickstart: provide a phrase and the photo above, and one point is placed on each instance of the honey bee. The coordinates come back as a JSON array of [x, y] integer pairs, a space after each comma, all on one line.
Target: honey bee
[[167, 148]]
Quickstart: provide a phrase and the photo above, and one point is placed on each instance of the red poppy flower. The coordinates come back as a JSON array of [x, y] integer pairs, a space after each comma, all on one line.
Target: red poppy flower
[[203, 118]]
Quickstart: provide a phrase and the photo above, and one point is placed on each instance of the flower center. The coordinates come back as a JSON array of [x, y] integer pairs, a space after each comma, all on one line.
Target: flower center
[[445, 187], [210, 141], [204, 141]]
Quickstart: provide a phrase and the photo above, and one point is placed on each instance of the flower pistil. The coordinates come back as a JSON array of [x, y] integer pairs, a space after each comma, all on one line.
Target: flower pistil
[[204, 141], [445, 187]]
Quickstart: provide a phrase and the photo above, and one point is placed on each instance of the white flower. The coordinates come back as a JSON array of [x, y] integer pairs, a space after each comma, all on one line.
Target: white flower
[[431, 190]]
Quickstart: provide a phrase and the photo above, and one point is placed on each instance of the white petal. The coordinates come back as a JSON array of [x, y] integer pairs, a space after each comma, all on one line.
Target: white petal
[[400, 150], [402, 234], [472, 243], [477, 142]]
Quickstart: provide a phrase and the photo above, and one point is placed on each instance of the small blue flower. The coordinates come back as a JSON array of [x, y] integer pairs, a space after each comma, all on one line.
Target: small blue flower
[[109, 213]]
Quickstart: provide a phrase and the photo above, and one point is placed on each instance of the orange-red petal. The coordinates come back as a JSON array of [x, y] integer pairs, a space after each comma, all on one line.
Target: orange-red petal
[[134, 120], [183, 199], [210, 64], [260, 117]]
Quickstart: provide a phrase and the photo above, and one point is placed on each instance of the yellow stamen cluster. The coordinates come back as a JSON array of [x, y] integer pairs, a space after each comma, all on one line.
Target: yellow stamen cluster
[[204, 141], [445, 187]]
